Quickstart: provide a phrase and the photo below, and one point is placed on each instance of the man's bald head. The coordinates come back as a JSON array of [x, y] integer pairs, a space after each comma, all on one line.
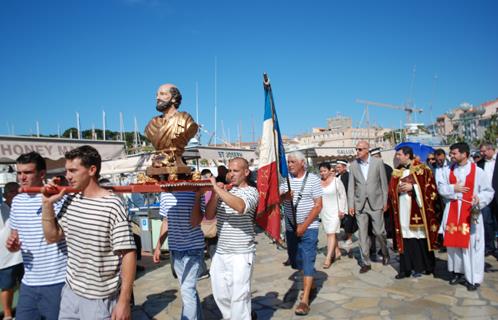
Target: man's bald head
[[168, 95], [362, 150], [363, 144]]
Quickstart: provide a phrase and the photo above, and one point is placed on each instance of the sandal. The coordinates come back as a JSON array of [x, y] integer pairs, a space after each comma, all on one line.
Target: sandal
[[302, 309], [313, 293]]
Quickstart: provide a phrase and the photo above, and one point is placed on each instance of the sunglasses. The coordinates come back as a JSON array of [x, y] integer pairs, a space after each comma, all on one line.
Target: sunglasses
[[359, 149]]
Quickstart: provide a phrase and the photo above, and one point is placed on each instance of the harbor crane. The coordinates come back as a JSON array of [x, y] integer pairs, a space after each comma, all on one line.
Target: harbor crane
[[407, 108]]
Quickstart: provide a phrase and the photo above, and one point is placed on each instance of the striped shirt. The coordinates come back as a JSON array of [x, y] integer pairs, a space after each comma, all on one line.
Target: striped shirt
[[177, 208], [235, 230], [44, 264], [312, 190], [96, 230]]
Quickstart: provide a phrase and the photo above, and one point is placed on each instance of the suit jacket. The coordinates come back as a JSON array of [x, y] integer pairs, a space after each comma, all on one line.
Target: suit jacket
[[494, 180], [345, 180], [374, 189]]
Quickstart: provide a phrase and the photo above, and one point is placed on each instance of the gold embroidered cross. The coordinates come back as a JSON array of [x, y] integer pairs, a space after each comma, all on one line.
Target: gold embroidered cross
[[451, 228], [416, 218], [433, 228], [464, 228]]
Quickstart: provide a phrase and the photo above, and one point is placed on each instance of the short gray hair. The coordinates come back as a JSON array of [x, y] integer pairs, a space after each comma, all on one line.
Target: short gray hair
[[298, 155]]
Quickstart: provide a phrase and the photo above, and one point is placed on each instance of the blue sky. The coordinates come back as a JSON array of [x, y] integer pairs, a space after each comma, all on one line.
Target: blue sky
[[65, 56]]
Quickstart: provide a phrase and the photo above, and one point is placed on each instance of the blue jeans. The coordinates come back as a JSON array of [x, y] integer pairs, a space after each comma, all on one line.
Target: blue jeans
[[39, 302], [187, 265], [488, 219]]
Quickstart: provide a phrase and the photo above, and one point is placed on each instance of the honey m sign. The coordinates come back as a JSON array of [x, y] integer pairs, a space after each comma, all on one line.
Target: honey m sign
[[51, 148]]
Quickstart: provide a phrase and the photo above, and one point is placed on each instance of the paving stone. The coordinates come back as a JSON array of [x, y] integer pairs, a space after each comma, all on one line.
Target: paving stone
[[365, 293], [472, 302], [384, 312], [442, 299], [462, 292], [343, 292], [336, 297], [471, 311], [369, 317], [361, 303], [339, 312], [489, 294]]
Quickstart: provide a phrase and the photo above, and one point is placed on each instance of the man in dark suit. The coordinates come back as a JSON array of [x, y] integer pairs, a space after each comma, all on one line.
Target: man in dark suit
[[489, 164], [367, 200]]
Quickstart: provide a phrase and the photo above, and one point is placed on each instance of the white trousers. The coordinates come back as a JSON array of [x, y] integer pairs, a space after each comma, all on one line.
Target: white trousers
[[470, 261], [231, 282]]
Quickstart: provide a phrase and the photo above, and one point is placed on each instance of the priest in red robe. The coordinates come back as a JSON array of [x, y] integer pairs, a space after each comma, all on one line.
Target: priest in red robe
[[412, 195]]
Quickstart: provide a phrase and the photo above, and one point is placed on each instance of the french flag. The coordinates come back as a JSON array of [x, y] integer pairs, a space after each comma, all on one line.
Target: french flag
[[272, 164]]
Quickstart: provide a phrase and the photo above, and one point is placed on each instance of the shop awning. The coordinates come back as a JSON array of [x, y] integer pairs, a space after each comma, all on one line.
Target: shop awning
[[54, 148]]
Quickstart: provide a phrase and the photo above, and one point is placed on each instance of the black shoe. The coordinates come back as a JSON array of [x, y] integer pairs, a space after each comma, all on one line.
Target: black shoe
[[400, 276], [489, 253], [365, 268], [350, 254], [416, 274], [385, 260], [472, 287], [286, 262], [457, 279]]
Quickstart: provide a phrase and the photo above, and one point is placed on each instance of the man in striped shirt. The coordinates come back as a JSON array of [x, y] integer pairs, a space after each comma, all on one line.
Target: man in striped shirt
[[232, 264], [302, 239], [101, 250], [44, 263], [182, 217]]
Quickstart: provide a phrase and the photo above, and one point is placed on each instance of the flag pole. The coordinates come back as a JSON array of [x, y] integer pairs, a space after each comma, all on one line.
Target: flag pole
[[267, 85]]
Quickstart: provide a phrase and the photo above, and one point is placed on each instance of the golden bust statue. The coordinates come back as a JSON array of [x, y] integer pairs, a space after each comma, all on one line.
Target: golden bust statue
[[170, 132]]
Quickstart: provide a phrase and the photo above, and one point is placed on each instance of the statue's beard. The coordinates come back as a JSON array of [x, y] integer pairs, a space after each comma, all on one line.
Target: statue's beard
[[162, 106]]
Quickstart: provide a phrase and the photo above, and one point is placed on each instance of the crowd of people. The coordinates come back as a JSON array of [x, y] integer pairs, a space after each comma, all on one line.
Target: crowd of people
[[75, 253]]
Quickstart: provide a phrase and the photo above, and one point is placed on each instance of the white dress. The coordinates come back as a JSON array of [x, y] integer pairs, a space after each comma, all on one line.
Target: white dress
[[333, 200]]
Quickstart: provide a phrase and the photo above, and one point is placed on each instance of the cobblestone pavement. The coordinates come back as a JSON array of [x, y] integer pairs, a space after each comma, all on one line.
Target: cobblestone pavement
[[343, 293]]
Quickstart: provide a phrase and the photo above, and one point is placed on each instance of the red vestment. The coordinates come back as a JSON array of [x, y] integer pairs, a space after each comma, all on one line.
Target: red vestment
[[424, 216]]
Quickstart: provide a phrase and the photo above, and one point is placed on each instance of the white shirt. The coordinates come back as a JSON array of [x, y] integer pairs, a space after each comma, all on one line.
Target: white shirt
[[7, 258], [489, 168], [364, 167]]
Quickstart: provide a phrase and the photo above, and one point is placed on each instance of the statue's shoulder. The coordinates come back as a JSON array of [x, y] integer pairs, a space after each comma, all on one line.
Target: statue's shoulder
[[183, 115]]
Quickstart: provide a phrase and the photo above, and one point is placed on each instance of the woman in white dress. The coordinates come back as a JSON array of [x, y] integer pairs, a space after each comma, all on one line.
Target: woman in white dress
[[334, 207]]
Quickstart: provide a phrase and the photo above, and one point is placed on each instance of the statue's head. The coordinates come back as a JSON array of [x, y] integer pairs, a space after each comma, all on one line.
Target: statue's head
[[168, 95]]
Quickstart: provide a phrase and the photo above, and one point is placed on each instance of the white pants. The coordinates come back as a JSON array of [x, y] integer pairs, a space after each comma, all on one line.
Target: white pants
[[470, 261], [231, 282]]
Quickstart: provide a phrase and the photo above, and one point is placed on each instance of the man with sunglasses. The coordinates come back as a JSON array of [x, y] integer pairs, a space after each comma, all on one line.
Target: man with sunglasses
[[367, 199]]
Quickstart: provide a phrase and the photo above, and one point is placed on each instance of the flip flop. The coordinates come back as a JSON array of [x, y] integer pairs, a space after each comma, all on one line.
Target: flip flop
[[302, 309]]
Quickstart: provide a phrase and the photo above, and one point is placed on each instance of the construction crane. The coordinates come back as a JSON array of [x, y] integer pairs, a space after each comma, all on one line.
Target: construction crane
[[407, 108]]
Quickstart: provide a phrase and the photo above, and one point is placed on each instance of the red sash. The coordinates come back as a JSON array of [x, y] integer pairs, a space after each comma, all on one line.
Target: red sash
[[457, 232]]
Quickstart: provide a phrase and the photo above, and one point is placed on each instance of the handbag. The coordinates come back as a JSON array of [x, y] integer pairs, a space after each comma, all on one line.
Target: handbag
[[349, 224], [209, 228]]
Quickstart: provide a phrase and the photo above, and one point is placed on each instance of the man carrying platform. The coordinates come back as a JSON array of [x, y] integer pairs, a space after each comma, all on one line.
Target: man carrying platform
[[231, 268], [101, 251]]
